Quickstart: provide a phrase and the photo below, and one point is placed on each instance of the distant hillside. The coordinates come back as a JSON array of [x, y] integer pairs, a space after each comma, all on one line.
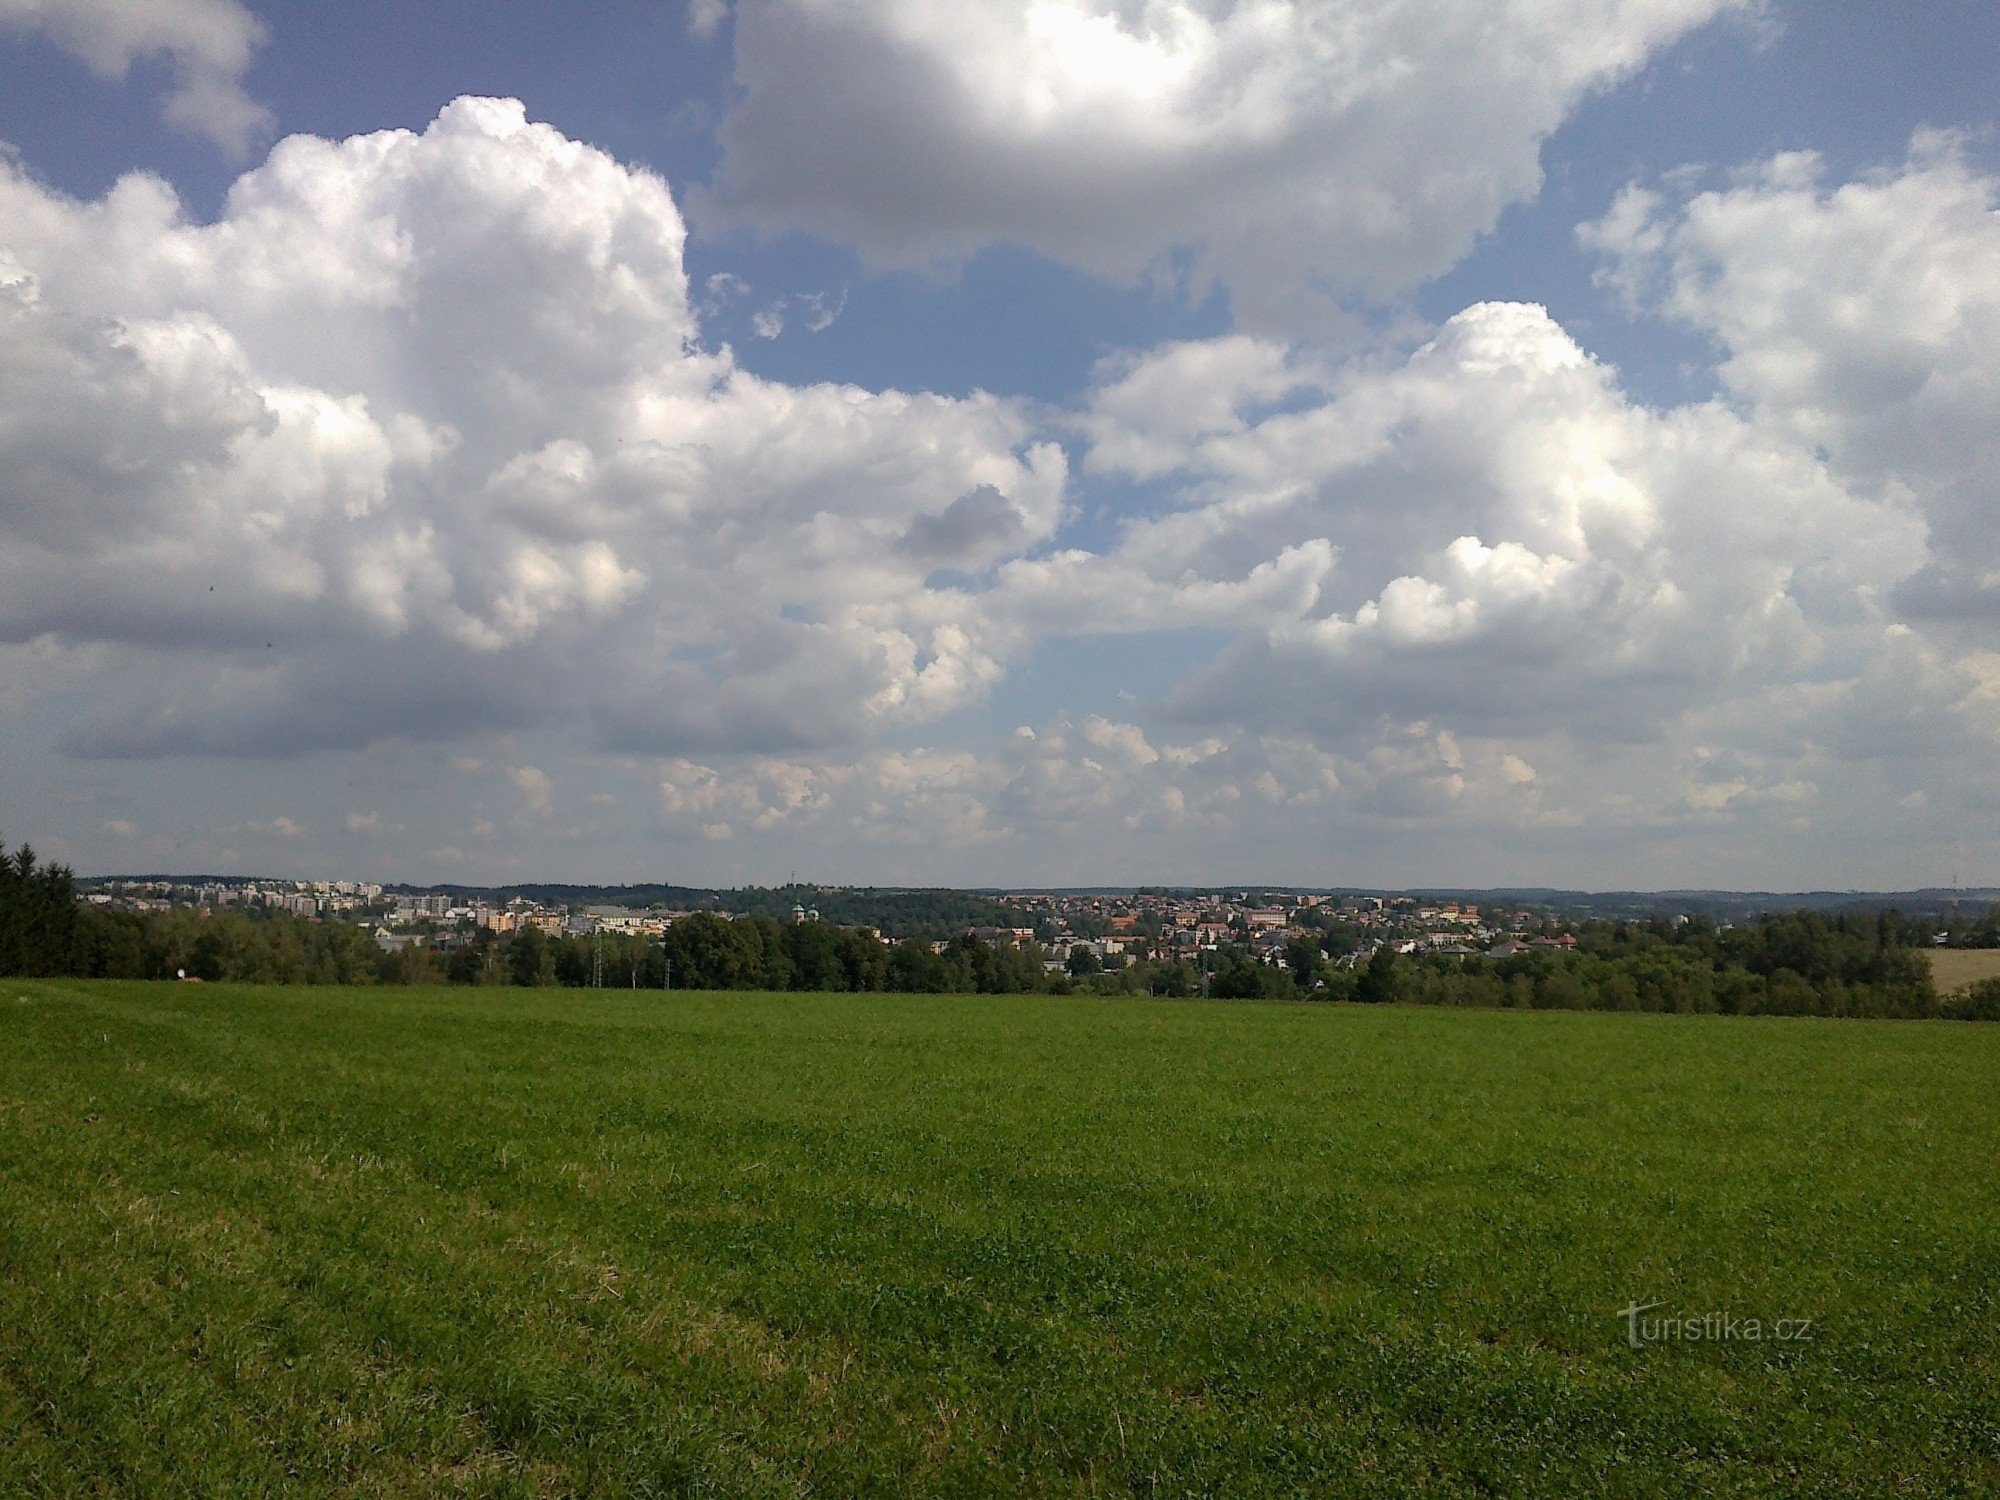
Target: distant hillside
[[896, 913], [942, 912]]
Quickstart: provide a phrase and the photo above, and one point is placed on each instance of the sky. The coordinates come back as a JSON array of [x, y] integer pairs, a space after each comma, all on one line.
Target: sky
[[1003, 442]]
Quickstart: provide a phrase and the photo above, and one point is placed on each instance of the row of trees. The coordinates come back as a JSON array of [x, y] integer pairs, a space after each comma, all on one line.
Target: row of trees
[[704, 951], [44, 931], [1872, 948], [1792, 964], [1667, 980]]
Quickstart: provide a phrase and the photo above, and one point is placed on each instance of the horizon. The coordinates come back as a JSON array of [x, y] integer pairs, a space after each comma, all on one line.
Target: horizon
[[1972, 893]]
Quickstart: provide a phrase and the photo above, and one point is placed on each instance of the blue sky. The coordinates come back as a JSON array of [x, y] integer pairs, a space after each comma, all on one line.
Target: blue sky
[[1002, 443]]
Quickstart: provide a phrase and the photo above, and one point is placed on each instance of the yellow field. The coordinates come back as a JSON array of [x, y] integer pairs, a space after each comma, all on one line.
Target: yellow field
[[1954, 969]]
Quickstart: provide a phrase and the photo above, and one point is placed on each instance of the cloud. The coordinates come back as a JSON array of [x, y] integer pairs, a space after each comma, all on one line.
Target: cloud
[[419, 438], [705, 17], [1862, 318], [1735, 794], [1491, 536], [1117, 799], [369, 823], [720, 290], [1288, 149], [1770, 610], [274, 828], [208, 43], [979, 521], [1146, 409], [823, 309], [534, 788], [1483, 594]]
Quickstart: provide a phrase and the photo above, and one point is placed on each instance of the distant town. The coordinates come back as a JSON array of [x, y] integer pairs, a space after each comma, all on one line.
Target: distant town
[[1094, 930], [1832, 954], [1111, 930]]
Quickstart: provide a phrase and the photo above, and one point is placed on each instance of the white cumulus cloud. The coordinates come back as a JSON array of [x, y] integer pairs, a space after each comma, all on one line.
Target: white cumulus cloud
[[1861, 317], [1491, 535], [1292, 150], [208, 43], [419, 436]]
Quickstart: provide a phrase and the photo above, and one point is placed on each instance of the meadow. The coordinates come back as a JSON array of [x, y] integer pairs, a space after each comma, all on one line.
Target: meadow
[[1954, 970], [551, 1242]]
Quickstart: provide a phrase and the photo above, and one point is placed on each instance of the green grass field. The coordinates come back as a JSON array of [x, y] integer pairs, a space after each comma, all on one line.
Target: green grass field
[[548, 1242]]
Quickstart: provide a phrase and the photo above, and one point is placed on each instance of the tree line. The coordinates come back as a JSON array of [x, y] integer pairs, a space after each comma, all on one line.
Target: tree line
[[1787, 964], [1800, 963]]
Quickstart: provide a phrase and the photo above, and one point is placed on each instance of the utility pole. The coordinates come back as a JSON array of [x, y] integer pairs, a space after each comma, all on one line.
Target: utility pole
[[597, 960]]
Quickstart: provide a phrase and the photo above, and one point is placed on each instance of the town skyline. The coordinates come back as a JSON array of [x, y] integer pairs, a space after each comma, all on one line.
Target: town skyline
[[1254, 942]]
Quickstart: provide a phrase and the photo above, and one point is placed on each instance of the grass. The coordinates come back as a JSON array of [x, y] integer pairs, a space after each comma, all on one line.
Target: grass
[[427, 1242], [1956, 969]]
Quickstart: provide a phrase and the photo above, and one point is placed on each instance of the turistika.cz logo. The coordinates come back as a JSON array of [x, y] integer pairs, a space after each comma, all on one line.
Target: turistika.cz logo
[[1708, 1328]]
